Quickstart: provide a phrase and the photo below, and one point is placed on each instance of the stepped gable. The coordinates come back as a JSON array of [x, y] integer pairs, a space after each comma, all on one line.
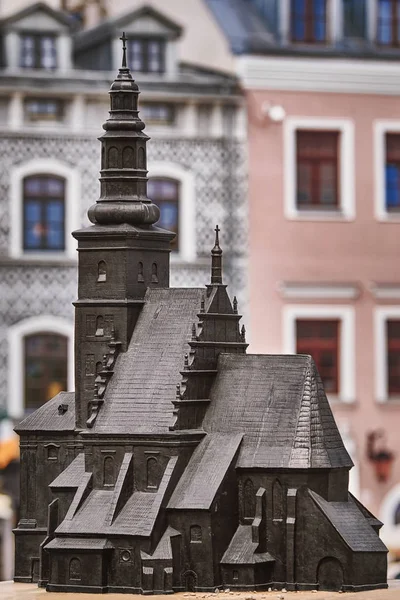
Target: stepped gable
[[350, 523], [205, 471], [139, 397], [277, 401], [58, 414]]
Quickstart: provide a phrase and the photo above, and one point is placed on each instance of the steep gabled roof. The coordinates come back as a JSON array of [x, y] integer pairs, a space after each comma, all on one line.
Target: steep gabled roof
[[242, 549], [351, 524], [140, 394], [97, 34], [57, 15], [48, 417], [205, 471], [279, 404]]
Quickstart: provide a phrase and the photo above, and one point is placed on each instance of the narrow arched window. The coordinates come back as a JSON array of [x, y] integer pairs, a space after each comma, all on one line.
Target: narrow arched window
[[249, 500], [140, 276], [100, 326], [44, 213], [108, 471], [46, 368], [165, 192], [102, 271], [196, 534], [75, 569], [152, 472], [154, 273], [277, 500]]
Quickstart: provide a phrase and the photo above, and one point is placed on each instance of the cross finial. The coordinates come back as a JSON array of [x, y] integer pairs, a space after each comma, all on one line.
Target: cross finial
[[123, 38], [216, 260], [217, 230]]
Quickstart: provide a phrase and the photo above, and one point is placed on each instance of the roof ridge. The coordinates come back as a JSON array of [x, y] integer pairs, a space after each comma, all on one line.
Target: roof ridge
[[301, 450]]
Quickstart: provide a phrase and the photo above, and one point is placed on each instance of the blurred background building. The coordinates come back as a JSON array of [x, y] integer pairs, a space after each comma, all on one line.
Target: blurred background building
[[308, 92]]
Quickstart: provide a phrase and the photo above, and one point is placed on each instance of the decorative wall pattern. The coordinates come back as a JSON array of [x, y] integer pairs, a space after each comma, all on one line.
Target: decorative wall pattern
[[219, 168]]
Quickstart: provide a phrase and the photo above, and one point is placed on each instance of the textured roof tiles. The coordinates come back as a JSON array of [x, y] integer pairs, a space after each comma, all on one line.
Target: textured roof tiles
[[71, 477], [47, 417], [205, 471], [140, 394], [279, 404], [351, 524], [242, 549]]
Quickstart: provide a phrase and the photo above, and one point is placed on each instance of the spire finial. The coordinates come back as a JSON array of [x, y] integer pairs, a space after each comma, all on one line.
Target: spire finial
[[123, 38], [216, 260]]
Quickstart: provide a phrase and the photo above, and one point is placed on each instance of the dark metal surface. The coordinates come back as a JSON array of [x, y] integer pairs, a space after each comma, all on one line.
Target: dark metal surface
[[179, 462]]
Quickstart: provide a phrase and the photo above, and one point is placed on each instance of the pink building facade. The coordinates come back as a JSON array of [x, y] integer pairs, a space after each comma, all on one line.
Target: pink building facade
[[334, 265], [322, 81]]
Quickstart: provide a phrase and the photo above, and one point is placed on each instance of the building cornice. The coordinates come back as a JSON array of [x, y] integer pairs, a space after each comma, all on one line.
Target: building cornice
[[319, 75]]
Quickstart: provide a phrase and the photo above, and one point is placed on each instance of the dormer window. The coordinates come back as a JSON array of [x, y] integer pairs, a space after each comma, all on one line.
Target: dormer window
[[146, 55], [388, 33], [38, 51], [308, 21]]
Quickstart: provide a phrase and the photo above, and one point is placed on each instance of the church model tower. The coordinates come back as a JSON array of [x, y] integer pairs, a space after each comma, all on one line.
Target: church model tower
[[180, 462]]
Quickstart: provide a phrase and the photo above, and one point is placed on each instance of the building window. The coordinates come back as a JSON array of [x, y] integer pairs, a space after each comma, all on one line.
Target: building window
[[44, 213], [308, 21], [75, 569], [146, 55], [165, 193], [392, 172], [158, 113], [152, 475], [195, 534], [393, 356], [108, 471], [43, 109], [277, 501], [388, 33], [320, 338], [317, 170], [46, 368], [249, 500], [38, 51]]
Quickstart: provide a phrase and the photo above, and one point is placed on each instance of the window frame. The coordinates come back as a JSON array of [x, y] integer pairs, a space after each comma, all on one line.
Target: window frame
[[380, 129], [395, 24], [56, 117], [382, 315], [309, 24], [346, 176], [16, 336], [145, 41], [176, 201], [44, 202], [72, 209], [346, 364], [37, 36], [187, 207]]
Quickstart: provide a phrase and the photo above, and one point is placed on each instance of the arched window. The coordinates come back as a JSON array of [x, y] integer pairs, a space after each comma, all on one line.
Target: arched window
[[277, 500], [46, 368], [249, 500], [75, 569], [195, 533], [43, 213], [102, 271], [140, 276], [108, 471], [165, 192], [154, 275], [152, 472]]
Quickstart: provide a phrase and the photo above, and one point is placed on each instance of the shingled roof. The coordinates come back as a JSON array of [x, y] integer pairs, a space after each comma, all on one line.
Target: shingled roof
[[49, 418], [140, 394], [242, 549], [205, 472], [279, 403], [351, 524]]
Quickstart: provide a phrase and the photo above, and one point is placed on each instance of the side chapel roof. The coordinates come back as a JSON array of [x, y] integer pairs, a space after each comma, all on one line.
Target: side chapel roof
[[49, 418], [279, 404]]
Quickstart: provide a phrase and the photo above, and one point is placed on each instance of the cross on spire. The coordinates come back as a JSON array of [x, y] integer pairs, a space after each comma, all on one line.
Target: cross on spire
[[216, 260], [123, 38]]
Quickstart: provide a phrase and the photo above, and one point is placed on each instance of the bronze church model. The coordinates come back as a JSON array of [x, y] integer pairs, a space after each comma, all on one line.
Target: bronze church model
[[180, 462]]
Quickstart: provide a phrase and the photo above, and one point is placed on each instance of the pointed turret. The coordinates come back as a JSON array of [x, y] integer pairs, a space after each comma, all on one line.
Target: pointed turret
[[216, 260]]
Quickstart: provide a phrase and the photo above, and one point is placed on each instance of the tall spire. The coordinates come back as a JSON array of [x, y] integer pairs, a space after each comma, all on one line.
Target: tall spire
[[123, 175], [216, 260]]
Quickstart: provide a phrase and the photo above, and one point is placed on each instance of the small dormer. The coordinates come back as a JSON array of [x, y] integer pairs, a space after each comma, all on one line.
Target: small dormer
[[151, 44], [37, 37]]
